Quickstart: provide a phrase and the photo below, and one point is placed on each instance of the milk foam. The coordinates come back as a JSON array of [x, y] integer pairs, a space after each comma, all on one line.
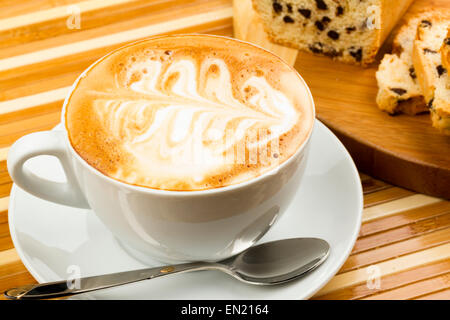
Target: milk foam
[[179, 121], [168, 127]]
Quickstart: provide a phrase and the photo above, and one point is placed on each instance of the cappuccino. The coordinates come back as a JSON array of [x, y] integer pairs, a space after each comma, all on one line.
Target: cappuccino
[[188, 112]]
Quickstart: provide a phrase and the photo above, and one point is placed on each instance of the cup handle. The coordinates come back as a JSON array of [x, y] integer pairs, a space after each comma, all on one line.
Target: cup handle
[[45, 143]]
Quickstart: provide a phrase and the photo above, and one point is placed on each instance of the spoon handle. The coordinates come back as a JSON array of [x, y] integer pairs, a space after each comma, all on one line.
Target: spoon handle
[[81, 285]]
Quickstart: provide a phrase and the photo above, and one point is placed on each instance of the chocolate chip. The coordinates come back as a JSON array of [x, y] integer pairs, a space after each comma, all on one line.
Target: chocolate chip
[[288, 19], [321, 5], [441, 70], [447, 41], [398, 91], [319, 25], [339, 11], [289, 7], [332, 53], [412, 72], [403, 100], [316, 47], [333, 34], [305, 12], [425, 24], [350, 29], [277, 7], [357, 54], [326, 20], [426, 50]]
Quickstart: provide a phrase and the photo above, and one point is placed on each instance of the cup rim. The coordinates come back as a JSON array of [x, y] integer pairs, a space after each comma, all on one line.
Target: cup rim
[[210, 191]]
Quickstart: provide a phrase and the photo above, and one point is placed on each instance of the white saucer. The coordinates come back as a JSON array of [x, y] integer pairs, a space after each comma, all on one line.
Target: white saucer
[[55, 241]]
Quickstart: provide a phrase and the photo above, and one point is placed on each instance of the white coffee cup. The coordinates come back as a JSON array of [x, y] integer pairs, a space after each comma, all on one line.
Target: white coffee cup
[[171, 226]]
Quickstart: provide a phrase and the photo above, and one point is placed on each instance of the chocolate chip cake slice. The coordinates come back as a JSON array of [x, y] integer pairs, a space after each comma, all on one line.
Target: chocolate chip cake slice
[[347, 30], [432, 75], [398, 88]]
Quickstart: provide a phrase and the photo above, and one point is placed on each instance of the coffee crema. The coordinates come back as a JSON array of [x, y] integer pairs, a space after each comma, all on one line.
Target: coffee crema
[[188, 112]]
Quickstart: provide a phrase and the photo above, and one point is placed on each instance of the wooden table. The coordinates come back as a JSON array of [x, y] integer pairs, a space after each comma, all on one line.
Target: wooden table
[[405, 237]]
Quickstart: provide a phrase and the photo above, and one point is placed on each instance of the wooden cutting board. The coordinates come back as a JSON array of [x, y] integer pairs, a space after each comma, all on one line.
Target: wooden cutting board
[[403, 150]]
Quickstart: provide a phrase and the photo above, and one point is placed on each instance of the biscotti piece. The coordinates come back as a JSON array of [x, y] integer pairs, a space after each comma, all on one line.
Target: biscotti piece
[[445, 51], [440, 106], [427, 59], [349, 30], [398, 89], [431, 73]]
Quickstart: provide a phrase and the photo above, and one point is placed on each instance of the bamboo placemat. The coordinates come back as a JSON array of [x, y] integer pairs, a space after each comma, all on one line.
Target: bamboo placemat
[[403, 250]]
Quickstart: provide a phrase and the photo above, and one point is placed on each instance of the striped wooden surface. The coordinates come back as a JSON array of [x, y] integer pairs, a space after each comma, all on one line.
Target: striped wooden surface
[[403, 251]]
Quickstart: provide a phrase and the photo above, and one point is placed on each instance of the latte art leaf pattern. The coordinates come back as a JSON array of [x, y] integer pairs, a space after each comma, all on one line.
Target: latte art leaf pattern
[[189, 112], [187, 115]]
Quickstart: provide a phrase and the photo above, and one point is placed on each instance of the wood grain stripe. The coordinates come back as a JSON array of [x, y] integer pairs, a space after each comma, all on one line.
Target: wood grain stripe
[[56, 13], [4, 177], [4, 229], [4, 202], [380, 254], [439, 295], [12, 266], [62, 72], [393, 207], [113, 39], [415, 289], [46, 109], [389, 282], [7, 257], [6, 242], [3, 153], [34, 100], [12, 8], [4, 217], [386, 195], [405, 217], [409, 261], [5, 189], [12, 131], [98, 23], [402, 233]]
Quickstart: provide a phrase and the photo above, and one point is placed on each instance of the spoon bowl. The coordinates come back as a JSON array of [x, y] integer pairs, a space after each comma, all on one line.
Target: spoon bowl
[[279, 261]]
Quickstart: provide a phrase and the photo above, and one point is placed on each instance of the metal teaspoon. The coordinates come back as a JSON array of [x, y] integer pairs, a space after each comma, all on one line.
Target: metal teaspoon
[[269, 263]]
